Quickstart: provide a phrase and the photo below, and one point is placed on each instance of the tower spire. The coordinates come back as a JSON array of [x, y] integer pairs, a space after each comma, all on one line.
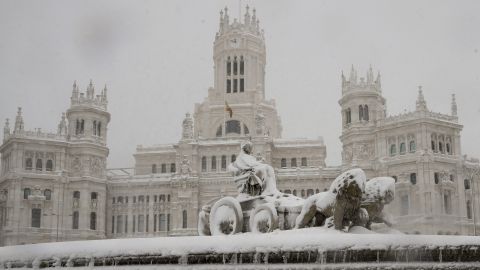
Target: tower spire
[[247, 16], [421, 103], [370, 75], [62, 126], [454, 105]]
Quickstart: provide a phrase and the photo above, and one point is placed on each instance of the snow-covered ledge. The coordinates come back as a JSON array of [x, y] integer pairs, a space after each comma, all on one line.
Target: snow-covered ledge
[[312, 245]]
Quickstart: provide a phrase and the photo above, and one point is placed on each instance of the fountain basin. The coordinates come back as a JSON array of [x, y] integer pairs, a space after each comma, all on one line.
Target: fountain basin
[[304, 246]]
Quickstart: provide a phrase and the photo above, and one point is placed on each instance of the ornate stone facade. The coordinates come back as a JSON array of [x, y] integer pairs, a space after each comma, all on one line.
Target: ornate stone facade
[[55, 186]]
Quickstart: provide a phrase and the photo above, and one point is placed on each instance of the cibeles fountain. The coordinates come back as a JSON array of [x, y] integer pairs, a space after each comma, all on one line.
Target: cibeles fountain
[[259, 207], [344, 227]]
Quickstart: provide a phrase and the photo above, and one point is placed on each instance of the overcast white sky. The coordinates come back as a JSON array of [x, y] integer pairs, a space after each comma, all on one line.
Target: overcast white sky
[[156, 58]]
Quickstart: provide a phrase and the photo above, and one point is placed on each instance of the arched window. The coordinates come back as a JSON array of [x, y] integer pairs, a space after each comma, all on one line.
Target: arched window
[[93, 221], [303, 193], [393, 150], [229, 66], [173, 167], [36, 217], [77, 127], [310, 192], [233, 158], [466, 183], [365, 113], [39, 165], [436, 177], [219, 131], [120, 199], [94, 128], [283, 163], [28, 164], [233, 126], [204, 164], [48, 194], [413, 178], [294, 192], [245, 130], [440, 147], [168, 197], [93, 195], [99, 129], [184, 219], [224, 163], [449, 150], [293, 162], [75, 218], [348, 115], [214, 163], [413, 146], [402, 148], [304, 162], [26, 193], [76, 194], [469, 210], [154, 168], [235, 66], [242, 64], [82, 126], [164, 168], [433, 146], [49, 166], [360, 112]]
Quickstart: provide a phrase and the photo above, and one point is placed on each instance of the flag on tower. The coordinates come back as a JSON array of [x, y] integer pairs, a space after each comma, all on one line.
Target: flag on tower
[[228, 109]]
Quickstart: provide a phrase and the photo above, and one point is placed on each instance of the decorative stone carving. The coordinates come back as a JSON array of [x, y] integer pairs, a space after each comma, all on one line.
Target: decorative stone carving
[[76, 165], [97, 166], [36, 194], [187, 127], [185, 168], [259, 123]]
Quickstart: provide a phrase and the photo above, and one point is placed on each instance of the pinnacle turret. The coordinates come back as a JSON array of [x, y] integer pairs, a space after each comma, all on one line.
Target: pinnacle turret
[[421, 103], [249, 24], [454, 105], [364, 83], [6, 129], [19, 126], [89, 97], [62, 126]]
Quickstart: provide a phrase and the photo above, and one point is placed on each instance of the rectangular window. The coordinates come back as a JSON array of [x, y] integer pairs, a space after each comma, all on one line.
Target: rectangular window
[[173, 168], [229, 68], [164, 168], [154, 223], [304, 162], [126, 224], [447, 203], [141, 223], [113, 224], [168, 222], [134, 223], [235, 67], [404, 203], [235, 86], [241, 67], [242, 86], [162, 224], [293, 163], [75, 220], [36, 217], [119, 224], [146, 225], [229, 86]]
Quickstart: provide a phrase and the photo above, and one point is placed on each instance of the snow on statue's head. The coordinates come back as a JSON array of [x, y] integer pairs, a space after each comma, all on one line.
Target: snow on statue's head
[[379, 189], [350, 183], [247, 147]]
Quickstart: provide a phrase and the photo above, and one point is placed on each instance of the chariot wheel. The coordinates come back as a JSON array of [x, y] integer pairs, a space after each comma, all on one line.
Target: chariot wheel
[[226, 217], [264, 219]]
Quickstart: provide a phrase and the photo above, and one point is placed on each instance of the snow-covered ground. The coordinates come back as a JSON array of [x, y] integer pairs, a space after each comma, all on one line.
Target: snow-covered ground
[[318, 239]]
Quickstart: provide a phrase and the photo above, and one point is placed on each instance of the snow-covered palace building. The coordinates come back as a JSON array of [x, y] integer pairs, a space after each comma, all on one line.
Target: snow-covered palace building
[[55, 186]]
